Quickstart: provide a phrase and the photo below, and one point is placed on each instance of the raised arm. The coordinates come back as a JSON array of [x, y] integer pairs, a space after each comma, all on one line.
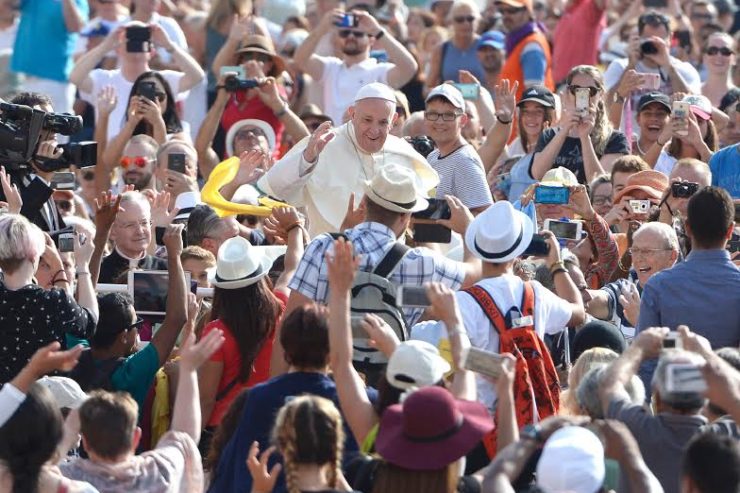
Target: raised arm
[[189, 65], [240, 27], [207, 157], [268, 93], [177, 308], [74, 20], [357, 408], [287, 224], [544, 159], [404, 61], [83, 250], [499, 133], [564, 285], [114, 149], [305, 57], [80, 75], [107, 101]]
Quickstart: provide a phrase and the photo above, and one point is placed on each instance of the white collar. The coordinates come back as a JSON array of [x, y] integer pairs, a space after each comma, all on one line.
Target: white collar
[[132, 261]]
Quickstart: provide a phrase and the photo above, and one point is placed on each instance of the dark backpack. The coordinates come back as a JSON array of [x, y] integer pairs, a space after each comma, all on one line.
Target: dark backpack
[[92, 374]]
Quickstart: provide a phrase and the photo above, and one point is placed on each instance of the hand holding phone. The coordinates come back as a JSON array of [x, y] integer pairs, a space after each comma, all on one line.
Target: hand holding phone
[[176, 162], [681, 113], [551, 195]]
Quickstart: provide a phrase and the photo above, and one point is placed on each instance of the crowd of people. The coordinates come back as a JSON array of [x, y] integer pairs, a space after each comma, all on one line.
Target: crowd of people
[[370, 246]]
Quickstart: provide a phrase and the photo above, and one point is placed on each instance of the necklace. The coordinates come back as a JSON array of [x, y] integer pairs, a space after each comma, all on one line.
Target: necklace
[[639, 149]]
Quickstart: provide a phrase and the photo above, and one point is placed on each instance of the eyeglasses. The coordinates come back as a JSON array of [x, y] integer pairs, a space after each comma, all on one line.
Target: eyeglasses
[[646, 251], [247, 132], [345, 33], [137, 324], [433, 116], [601, 200], [702, 17], [724, 51], [249, 56], [144, 224], [592, 91], [510, 11], [64, 205], [88, 175], [138, 161], [464, 18]]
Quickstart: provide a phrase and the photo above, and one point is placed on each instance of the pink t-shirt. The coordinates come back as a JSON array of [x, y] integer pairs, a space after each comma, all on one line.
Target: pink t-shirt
[[576, 37]]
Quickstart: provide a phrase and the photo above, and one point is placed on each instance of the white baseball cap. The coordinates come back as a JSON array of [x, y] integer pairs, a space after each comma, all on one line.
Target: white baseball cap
[[415, 364], [66, 392], [572, 461], [376, 90], [450, 93]]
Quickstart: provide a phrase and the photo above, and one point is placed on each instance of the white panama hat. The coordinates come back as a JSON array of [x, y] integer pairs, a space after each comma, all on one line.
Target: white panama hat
[[499, 234], [239, 264], [394, 188]]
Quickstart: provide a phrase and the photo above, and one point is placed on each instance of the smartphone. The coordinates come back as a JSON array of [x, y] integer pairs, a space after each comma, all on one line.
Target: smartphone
[[484, 362], [63, 181], [655, 4], [681, 110], [66, 242], [148, 90], [684, 378], [733, 246], [176, 162], [737, 212], [566, 230], [583, 98], [672, 341], [237, 69], [348, 20], [539, 247], [469, 91], [412, 296], [551, 195], [438, 209], [683, 38], [640, 206], [650, 82], [138, 39], [55, 235], [432, 233], [149, 289]]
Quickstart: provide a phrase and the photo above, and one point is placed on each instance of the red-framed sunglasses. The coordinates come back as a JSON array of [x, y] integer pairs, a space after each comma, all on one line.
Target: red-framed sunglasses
[[138, 161]]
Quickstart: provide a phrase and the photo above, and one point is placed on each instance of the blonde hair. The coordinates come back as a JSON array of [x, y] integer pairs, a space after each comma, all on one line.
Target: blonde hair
[[587, 360], [475, 9], [394, 479], [602, 126], [19, 240], [308, 430]]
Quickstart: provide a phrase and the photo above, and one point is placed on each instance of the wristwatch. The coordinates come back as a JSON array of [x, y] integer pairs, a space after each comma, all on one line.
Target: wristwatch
[[616, 98]]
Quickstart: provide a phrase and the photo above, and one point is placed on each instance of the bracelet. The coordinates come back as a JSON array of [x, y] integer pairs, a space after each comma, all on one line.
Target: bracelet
[[502, 121], [282, 111], [557, 265], [293, 226], [83, 273], [557, 271]]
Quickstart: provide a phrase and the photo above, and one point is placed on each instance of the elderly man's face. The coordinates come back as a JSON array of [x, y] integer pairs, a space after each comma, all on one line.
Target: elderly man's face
[[250, 138], [651, 254], [372, 120], [138, 165], [132, 229]]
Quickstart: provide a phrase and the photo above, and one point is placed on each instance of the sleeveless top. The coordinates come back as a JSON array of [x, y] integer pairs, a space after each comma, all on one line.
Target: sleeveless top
[[513, 70], [455, 59]]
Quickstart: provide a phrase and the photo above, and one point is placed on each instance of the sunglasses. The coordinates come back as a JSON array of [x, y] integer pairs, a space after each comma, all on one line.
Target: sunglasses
[[510, 11], [724, 51], [247, 132], [592, 91], [345, 33], [138, 161], [464, 18], [137, 324], [88, 175]]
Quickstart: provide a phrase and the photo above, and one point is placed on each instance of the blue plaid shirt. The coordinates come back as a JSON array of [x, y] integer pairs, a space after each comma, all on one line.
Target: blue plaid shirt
[[371, 241]]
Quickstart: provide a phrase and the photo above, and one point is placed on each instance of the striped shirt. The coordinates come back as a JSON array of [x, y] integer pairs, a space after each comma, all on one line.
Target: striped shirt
[[461, 174], [371, 241]]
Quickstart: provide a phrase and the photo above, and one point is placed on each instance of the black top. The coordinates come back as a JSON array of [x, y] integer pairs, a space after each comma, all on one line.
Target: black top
[[570, 155], [114, 268], [32, 317]]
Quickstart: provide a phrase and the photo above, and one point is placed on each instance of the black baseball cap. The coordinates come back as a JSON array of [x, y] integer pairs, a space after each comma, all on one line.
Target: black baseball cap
[[654, 97], [538, 94]]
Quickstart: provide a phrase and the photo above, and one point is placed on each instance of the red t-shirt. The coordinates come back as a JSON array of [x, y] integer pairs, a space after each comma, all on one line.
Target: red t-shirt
[[582, 21], [229, 355], [241, 108]]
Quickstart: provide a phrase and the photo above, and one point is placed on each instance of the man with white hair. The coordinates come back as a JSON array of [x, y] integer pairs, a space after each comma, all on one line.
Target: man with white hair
[[322, 172], [654, 248], [663, 437], [131, 234]]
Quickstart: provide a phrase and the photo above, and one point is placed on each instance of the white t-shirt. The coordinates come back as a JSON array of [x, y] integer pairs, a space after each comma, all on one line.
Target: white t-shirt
[[551, 314], [7, 36], [341, 82], [461, 174], [101, 78]]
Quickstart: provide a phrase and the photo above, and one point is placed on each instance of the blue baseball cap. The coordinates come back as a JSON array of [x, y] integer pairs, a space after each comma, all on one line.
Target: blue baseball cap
[[494, 39], [97, 29]]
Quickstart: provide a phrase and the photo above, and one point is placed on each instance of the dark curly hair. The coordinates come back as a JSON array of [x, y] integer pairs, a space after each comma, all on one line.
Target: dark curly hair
[[171, 120]]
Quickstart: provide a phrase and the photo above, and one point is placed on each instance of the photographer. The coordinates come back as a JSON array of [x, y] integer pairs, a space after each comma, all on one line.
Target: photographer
[[34, 183]]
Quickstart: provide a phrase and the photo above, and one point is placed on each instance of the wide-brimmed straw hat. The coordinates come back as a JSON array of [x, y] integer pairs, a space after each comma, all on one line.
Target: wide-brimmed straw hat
[[394, 188], [255, 43]]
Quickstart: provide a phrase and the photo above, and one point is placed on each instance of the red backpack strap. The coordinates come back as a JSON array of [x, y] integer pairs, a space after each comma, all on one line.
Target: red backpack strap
[[485, 301], [527, 306]]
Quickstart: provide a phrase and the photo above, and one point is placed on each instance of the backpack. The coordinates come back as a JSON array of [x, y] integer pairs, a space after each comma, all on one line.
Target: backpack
[[536, 385], [91, 376], [372, 292]]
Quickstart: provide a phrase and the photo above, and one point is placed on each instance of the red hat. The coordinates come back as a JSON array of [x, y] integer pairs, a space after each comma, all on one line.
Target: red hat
[[650, 181], [431, 430]]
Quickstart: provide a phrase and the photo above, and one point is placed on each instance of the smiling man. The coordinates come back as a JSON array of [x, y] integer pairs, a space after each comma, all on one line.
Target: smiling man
[[322, 171], [457, 162]]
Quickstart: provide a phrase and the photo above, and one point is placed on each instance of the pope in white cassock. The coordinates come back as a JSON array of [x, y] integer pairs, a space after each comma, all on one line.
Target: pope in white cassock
[[322, 171]]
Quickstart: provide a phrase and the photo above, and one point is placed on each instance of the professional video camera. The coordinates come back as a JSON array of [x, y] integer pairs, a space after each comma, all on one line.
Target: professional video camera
[[20, 132]]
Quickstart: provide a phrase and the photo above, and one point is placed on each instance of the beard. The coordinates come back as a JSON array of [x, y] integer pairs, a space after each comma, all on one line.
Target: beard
[[139, 182], [352, 50]]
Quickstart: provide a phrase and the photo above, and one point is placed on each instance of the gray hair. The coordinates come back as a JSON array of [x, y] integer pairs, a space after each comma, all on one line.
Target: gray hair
[[203, 222], [686, 401], [663, 230], [587, 393], [137, 198]]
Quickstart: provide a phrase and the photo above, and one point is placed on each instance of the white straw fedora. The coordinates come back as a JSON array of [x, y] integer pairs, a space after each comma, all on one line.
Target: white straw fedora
[[239, 264], [394, 188], [499, 234]]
